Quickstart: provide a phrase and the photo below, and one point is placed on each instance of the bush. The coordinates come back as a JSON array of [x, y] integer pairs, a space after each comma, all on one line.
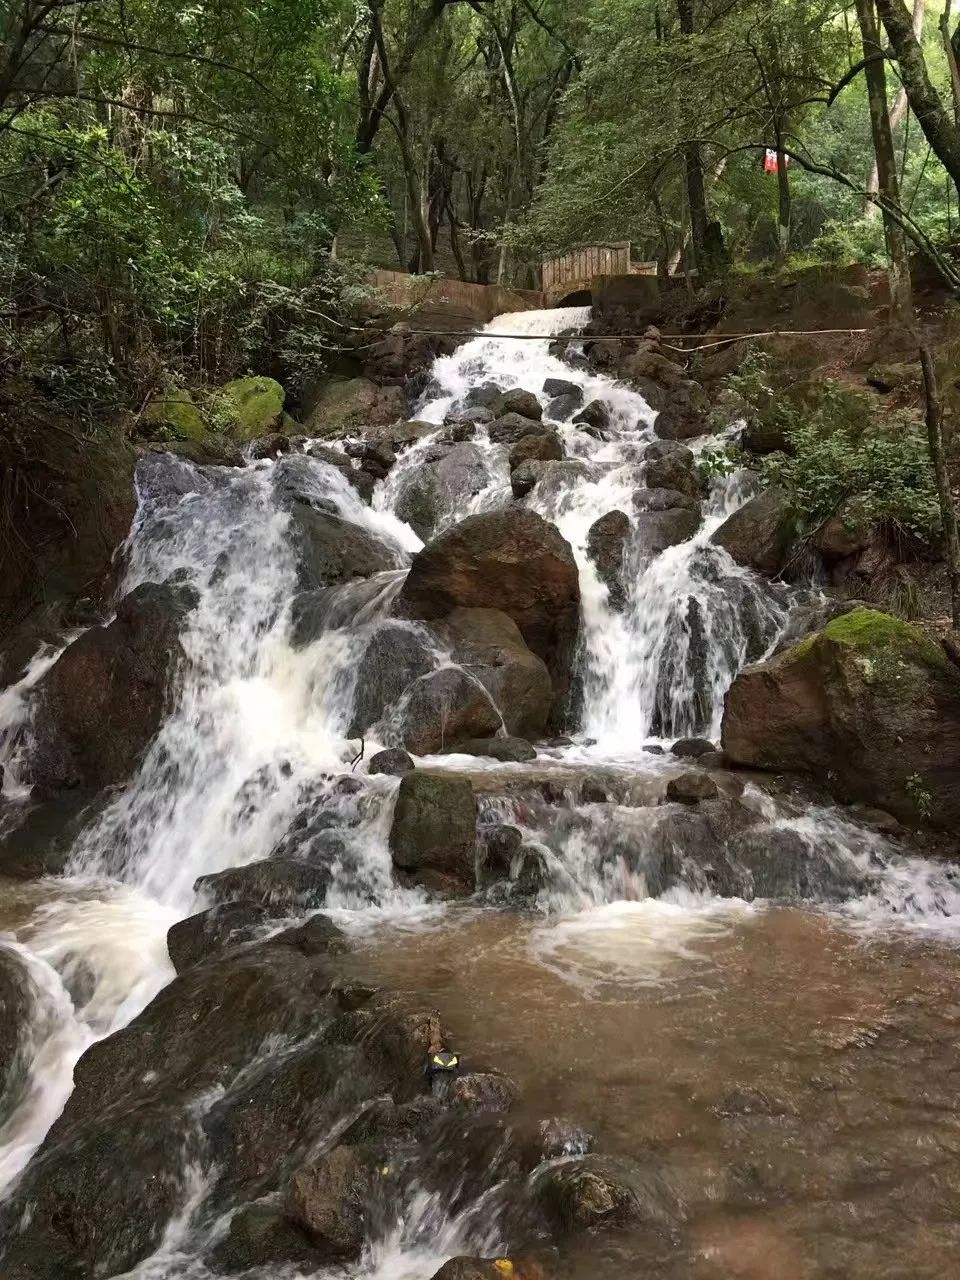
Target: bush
[[841, 451]]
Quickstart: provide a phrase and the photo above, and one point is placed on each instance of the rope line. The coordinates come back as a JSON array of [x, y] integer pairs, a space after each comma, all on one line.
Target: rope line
[[700, 339]]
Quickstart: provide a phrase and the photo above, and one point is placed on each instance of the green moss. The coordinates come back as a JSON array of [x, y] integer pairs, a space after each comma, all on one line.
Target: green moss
[[877, 633], [173, 416], [247, 407]]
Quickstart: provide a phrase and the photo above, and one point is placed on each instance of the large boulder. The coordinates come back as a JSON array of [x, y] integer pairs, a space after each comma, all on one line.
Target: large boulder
[[606, 542], [441, 486], [488, 644], [172, 415], [331, 550], [759, 534], [397, 654], [187, 1090], [685, 413], [593, 1191], [445, 707], [282, 885], [511, 427], [212, 932], [513, 561], [870, 706], [102, 701], [434, 831], [545, 448], [344, 407], [525, 403], [329, 1199], [61, 545], [669, 465], [248, 407]]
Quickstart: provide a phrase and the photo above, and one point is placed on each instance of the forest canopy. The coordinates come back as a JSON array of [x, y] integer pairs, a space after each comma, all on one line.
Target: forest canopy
[[202, 188]]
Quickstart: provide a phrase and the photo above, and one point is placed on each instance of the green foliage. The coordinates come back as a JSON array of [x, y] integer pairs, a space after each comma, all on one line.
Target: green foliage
[[844, 460], [920, 796]]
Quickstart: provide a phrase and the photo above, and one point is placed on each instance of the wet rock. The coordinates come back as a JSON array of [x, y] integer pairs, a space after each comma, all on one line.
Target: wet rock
[[489, 645], [692, 747], [396, 655], [562, 387], [112, 1172], [513, 561], [102, 701], [328, 1200], [524, 478], [758, 535], [16, 1006], [392, 761], [691, 788], [268, 446], [684, 413], [318, 936], [499, 850], [669, 465], [606, 543], [506, 749], [870, 706], [41, 841], [658, 530], [463, 424], [435, 827], [261, 1236], [331, 550], [565, 398], [664, 500], [761, 438], [533, 875], [524, 403], [594, 1191], [401, 434], [653, 749], [511, 427], [780, 863], [545, 448], [211, 932], [512, 1268], [560, 1138], [440, 487], [485, 395], [481, 1091], [713, 760], [281, 884], [595, 415], [445, 707]]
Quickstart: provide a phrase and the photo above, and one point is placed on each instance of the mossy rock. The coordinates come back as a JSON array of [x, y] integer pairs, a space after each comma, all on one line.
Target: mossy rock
[[870, 706], [248, 407], [172, 416], [903, 376]]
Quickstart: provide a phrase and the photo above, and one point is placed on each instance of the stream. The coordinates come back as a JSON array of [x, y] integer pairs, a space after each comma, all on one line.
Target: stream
[[783, 1044]]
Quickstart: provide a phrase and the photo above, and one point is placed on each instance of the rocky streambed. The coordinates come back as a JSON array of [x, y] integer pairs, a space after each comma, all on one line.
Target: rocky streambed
[[459, 851]]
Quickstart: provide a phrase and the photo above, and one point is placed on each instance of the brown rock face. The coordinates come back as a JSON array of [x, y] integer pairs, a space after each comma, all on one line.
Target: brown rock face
[[513, 561], [605, 547], [757, 535], [870, 706], [103, 699], [434, 830], [327, 1199]]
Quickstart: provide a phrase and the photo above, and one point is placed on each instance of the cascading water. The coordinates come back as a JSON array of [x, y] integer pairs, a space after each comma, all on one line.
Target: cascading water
[[259, 737]]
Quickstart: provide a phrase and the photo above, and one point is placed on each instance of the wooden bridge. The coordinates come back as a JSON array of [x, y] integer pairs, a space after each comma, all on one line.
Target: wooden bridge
[[568, 278]]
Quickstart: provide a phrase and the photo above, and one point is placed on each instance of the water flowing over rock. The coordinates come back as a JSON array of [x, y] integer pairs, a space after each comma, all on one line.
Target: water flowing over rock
[[434, 828], [102, 701], [512, 561], [870, 704]]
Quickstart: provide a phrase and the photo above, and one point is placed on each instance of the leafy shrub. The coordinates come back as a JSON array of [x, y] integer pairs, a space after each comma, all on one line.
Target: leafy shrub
[[839, 453]]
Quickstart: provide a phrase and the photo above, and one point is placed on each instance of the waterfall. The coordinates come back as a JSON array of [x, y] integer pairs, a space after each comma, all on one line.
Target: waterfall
[[258, 735]]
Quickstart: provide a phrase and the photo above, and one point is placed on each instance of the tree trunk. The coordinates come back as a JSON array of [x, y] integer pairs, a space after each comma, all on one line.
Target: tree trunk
[[783, 197], [950, 49], [897, 111], [948, 511], [938, 125], [899, 268]]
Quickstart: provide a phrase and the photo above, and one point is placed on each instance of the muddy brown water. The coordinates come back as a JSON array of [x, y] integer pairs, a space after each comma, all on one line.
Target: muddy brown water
[[797, 1080]]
